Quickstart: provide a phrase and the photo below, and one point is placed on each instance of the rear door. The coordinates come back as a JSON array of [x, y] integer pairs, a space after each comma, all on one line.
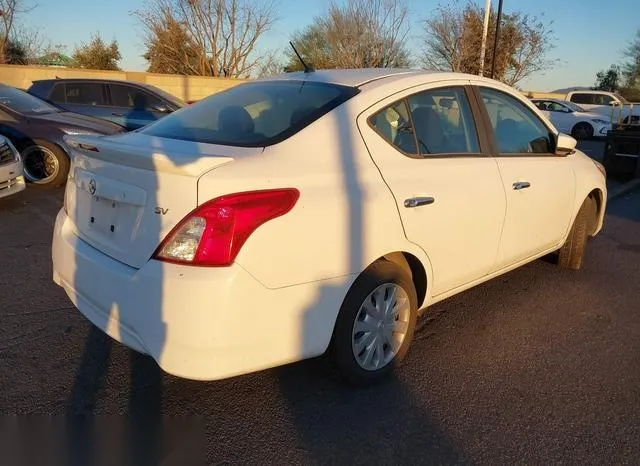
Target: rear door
[[539, 184], [447, 187]]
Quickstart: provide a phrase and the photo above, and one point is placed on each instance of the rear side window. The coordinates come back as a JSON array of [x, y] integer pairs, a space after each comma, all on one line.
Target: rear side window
[[85, 93], [583, 98], [253, 114], [394, 125]]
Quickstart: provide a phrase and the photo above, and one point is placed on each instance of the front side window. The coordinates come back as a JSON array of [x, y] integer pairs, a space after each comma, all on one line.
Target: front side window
[[132, 98], [516, 128], [254, 114]]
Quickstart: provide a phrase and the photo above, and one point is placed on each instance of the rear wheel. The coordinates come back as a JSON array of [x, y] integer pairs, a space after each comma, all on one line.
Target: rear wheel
[[582, 131], [571, 254], [44, 163], [375, 325]]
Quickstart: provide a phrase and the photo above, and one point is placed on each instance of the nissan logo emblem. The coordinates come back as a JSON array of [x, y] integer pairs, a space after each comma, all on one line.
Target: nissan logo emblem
[[92, 187]]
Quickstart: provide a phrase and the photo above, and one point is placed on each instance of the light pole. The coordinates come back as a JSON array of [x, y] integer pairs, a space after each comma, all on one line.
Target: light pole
[[485, 30], [496, 39]]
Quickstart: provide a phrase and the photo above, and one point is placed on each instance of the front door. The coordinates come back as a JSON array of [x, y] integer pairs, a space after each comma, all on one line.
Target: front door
[[539, 185], [447, 187]]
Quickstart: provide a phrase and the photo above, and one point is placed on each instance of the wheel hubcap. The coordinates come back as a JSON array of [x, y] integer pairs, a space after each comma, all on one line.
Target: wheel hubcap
[[381, 326], [40, 164]]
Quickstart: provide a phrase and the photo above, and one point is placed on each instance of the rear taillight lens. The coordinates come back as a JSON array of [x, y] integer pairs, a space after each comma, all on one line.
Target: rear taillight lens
[[213, 234]]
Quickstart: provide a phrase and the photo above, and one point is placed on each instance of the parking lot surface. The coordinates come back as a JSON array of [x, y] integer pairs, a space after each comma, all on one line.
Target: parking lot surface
[[539, 366]]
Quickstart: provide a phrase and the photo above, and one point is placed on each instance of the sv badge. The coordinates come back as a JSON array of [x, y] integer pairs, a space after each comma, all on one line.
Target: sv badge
[[161, 211]]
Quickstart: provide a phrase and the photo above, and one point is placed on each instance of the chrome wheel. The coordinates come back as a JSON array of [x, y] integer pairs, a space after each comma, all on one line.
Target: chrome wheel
[[40, 164], [380, 326]]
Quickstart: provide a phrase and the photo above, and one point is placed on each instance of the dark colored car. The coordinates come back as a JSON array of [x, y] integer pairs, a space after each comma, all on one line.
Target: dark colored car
[[129, 104], [37, 128]]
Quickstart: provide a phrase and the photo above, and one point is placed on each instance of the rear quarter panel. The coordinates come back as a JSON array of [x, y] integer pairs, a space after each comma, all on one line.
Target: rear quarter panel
[[345, 219]]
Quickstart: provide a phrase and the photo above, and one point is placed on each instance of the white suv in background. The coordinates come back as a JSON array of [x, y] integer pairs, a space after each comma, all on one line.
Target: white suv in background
[[11, 177]]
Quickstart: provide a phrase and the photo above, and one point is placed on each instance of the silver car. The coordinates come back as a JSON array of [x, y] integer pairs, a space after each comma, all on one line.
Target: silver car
[[11, 177]]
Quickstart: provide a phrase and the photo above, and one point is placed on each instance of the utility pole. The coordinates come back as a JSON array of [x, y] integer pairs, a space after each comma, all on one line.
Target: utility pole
[[496, 39], [485, 30]]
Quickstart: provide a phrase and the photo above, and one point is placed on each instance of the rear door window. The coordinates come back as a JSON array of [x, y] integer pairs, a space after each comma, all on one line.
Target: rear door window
[[85, 93], [253, 114], [582, 98]]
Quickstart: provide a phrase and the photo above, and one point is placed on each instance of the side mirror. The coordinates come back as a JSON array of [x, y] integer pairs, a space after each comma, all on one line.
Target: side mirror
[[161, 108], [565, 144]]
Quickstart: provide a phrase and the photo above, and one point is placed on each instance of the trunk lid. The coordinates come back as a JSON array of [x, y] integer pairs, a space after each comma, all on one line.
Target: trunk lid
[[125, 193]]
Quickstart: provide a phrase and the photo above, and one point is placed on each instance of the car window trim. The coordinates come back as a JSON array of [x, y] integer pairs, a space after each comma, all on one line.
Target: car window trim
[[483, 141], [489, 129]]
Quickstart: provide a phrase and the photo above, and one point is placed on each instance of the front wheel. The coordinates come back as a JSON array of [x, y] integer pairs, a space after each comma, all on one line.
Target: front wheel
[[44, 164], [375, 325], [571, 254]]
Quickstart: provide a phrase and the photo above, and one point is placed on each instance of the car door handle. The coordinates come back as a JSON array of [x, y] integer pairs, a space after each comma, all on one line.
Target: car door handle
[[418, 201], [521, 185], [118, 114]]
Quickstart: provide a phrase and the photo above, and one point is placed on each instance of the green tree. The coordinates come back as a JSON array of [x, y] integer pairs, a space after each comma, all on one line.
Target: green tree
[[354, 34], [608, 80], [97, 55]]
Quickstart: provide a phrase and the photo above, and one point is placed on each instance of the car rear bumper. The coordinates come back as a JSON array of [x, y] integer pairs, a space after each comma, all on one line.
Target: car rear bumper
[[198, 323], [11, 179]]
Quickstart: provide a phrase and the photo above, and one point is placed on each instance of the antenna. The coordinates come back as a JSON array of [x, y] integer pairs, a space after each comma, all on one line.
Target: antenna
[[307, 68]]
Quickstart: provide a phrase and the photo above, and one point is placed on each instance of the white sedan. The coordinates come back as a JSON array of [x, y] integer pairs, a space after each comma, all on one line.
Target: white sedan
[[572, 119], [315, 213], [11, 170]]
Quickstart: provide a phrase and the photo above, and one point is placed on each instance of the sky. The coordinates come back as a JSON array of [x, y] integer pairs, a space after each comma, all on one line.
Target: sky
[[590, 34]]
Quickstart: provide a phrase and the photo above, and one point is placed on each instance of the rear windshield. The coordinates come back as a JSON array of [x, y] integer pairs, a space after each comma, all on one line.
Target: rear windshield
[[252, 114], [22, 102]]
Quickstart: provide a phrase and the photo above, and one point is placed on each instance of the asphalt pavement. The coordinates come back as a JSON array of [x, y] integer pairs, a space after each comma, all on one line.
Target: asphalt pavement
[[539, 366]]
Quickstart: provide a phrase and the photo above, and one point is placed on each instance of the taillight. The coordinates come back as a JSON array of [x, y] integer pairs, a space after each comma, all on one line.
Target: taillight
[[213, 234]]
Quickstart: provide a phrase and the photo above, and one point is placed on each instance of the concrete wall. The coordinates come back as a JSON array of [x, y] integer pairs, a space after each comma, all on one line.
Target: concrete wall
[[185, 87]]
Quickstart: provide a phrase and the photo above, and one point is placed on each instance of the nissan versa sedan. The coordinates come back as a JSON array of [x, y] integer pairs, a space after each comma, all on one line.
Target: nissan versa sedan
[[37, 128], [315, 213]]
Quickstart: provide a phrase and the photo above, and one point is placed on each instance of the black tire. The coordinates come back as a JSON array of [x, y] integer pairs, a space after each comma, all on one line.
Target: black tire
[[342, 351], [35, 172], [582, 131], [571, 254]]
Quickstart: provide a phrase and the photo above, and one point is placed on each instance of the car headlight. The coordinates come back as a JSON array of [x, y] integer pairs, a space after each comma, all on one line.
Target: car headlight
[[600, 167], [79, 132], [5, 145], [601, 122]]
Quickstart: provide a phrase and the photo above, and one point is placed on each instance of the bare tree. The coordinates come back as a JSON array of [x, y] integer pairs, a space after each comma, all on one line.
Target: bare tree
[[10, 11], [219, 37], [452, 41], [355, 34]]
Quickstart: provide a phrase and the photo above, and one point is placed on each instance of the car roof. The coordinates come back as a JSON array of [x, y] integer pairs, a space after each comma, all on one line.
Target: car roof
[[96, 80], [345, 77]]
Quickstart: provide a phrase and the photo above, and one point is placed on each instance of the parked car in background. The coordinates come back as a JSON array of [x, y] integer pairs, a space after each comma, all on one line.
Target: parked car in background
[[208, 240], [11, 178], [37, 128], [572, 119], [129, 104], [607, 104]]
